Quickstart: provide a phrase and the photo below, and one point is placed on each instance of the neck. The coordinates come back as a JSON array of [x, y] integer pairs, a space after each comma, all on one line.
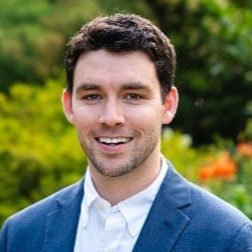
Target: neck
[[117, 189]]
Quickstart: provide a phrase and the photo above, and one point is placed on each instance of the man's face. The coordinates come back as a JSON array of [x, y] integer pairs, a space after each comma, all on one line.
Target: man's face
[[117, 109]]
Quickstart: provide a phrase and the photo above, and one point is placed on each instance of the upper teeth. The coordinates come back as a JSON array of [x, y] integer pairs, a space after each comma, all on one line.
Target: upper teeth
[[113, 140]]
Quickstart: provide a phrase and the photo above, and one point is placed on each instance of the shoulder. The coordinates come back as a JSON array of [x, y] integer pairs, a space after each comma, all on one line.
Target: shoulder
[[195, 200], [218, 220], [210, 205], [209, 217], [25, 230], [37, 211]]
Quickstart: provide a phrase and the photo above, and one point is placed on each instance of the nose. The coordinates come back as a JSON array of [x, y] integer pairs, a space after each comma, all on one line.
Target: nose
[[112, 114]]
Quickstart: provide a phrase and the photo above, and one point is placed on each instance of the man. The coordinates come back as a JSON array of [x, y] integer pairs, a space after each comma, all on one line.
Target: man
[[120, 72]]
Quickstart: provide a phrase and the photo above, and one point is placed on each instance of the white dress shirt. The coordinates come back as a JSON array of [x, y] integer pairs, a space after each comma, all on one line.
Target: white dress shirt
[[106, 228]]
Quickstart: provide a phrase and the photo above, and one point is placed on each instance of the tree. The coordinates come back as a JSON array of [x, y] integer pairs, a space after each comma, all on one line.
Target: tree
[[33, 35], [214, 53], [214, 64]]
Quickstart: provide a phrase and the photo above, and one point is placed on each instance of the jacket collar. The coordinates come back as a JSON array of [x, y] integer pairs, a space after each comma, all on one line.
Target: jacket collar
[[166, 220], [62, 222], [164, 224]]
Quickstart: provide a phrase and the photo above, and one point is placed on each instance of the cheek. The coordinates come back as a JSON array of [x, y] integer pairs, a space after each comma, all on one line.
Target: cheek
[[148, 120], [84, 112], [84, 119]]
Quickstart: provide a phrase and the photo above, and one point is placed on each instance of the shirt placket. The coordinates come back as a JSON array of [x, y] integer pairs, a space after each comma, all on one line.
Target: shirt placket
[[113, 232]]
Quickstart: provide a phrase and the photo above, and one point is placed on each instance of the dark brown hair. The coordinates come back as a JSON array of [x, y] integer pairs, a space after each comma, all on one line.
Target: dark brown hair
[[124, 33]]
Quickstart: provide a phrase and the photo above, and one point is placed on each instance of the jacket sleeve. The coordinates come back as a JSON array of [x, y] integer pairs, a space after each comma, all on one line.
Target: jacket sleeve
[[243, 240]]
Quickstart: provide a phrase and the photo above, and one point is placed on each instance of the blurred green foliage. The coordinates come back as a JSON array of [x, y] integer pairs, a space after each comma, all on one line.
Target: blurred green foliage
[[234, 184], [39, 152], [213, 41]]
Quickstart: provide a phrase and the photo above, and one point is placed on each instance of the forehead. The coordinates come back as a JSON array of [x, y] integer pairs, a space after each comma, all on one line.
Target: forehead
[[107, 68]]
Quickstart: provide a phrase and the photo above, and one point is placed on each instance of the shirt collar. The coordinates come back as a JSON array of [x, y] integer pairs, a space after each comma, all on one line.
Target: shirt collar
[[90, 197], [134, 209]]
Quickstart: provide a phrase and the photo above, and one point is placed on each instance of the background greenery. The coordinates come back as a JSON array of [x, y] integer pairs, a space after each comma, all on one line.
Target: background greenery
[[39, 152]]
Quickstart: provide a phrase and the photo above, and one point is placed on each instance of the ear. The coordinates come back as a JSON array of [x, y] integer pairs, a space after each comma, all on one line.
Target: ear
[[170, 105], [66, 100]]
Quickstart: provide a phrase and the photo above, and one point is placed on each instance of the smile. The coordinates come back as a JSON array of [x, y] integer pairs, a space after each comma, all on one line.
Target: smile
[[116, 140]]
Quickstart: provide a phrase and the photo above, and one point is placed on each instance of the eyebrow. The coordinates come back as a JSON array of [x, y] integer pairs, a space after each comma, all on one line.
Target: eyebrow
[[126, 86], [135, 86], [88, 87]]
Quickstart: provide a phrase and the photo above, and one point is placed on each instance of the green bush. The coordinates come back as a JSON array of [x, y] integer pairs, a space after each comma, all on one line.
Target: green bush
[[224, 168], [228, 171], [39, 152]]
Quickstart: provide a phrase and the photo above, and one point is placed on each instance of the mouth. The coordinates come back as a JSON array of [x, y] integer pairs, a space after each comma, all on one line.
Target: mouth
[[112, 141]]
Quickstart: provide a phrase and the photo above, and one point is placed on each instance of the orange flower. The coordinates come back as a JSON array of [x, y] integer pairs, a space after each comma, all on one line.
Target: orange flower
[[206, 172], [223, 168], [244, 149]]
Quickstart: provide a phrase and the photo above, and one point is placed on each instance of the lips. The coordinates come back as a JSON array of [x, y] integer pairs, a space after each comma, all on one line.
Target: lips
[[113, 140]]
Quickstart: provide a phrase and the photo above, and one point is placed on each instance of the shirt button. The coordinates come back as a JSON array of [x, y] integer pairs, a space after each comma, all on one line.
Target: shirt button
[[133, 230], [100, 206]]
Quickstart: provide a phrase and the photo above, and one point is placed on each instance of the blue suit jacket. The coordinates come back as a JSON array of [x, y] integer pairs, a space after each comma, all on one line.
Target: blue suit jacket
[[183, 218]]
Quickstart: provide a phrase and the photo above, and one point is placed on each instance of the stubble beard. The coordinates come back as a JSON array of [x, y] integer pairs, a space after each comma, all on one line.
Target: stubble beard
[[111, 167]]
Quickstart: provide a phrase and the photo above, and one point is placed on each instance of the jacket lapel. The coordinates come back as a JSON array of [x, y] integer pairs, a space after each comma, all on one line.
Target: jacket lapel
[[166, 220], [163, 226], [62, 223]]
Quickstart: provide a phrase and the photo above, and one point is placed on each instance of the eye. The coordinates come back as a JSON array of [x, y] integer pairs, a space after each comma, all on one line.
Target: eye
[[133, 96], [92, 98]]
